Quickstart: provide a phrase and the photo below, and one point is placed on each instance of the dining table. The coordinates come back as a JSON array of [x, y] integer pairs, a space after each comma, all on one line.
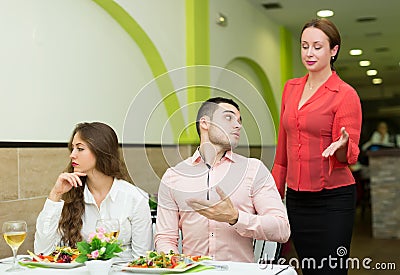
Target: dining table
[[217, 268]]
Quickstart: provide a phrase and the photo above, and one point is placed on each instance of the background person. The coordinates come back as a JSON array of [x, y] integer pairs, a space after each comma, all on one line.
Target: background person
[[320, 125], [94, 187], [220, 200], [379, 137]]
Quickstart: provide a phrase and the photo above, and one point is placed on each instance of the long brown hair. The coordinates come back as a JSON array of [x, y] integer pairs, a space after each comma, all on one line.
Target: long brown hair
[[327, 27], [102, 141]]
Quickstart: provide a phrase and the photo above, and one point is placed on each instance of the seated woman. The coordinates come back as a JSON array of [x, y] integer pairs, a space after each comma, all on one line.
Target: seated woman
[[380, 137], [94, 187]]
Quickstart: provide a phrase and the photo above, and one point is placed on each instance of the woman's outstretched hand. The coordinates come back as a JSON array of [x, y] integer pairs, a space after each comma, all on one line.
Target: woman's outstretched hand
[[341, 143]]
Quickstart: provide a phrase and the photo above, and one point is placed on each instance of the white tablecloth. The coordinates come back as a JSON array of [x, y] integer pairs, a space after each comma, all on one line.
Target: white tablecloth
[[235, 268]]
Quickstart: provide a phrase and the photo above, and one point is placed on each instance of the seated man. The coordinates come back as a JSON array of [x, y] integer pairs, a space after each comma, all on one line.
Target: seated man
[[219, 200]]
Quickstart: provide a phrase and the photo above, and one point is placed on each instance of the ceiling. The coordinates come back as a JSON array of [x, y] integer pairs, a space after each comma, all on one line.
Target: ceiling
[[379, 39]]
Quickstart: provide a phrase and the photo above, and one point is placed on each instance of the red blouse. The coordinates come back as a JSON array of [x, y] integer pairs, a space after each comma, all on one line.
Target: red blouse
[[304, 134]]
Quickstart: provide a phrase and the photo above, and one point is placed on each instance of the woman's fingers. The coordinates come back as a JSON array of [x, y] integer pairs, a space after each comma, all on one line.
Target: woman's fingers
[[77, 179], [72, 178], [330, 151]]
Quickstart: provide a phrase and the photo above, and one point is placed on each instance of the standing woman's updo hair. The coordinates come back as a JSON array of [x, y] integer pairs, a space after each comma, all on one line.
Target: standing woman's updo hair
[[102, 141], [327, 27]]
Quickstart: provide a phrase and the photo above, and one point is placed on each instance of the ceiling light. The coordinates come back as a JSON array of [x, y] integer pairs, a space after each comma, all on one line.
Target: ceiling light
[[270, 6], [377, 81], [325, 13], [372, 72], [355, 52], [381, 49], [364, 63], [222, 20], [366, 19]]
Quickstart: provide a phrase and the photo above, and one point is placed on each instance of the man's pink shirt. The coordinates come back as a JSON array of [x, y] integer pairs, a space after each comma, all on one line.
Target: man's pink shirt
[[251, 188]]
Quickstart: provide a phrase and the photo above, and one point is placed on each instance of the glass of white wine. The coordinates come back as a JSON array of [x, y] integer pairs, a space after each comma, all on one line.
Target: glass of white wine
[[111, 226], [14, 232]]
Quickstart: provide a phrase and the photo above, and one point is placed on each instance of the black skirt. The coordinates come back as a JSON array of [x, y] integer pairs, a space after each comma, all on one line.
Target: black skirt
[[322, 225]]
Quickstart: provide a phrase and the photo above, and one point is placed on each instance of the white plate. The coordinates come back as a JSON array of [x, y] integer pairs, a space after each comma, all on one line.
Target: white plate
[[156, 270], [49, 264]]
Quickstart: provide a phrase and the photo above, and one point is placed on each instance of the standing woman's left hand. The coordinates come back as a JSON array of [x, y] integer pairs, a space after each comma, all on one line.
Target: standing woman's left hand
[[335, 146]]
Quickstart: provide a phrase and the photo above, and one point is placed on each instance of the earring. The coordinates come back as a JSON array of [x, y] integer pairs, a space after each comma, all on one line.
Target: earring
[[333, 57]]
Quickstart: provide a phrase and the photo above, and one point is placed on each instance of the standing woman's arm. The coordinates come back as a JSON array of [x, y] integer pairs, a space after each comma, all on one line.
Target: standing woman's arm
[[344, 150]]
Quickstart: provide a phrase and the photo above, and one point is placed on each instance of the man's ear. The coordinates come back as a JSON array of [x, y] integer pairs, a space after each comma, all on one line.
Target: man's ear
[[204, 122]]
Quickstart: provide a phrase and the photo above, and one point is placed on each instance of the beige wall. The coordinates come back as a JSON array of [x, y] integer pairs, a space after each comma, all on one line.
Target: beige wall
[[28, 174], [26, 177]]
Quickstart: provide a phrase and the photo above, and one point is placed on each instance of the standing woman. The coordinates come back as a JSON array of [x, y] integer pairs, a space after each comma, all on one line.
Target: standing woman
[[94, 187], [319, 131]]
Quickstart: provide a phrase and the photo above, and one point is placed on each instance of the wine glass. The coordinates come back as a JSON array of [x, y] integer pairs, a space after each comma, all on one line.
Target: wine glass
[[14, 232], [111, 226]]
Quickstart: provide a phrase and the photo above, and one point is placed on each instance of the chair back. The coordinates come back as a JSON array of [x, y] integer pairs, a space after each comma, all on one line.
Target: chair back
[[266, 251]]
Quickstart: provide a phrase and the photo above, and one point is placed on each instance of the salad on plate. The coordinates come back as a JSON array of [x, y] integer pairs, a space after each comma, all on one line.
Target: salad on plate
[[63, 254], [61, 257], [171, 260]]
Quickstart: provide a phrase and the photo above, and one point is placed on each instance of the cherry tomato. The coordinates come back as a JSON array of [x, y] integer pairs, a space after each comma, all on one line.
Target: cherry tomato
[[195, 258], [174, 261]]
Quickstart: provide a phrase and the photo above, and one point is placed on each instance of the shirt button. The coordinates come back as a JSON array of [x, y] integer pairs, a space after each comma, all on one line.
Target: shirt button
[[212, 234], [299, 145]]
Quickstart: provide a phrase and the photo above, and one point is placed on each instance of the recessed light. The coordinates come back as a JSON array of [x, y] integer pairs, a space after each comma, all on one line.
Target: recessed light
[[372, 72], [366, 19], [355, 52], [377, 81], [271, 6], [325, 13], [364, 63], [222, 20], [381, 49]]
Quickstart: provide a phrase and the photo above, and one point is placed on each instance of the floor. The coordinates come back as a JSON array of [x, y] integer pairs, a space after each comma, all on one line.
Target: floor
[[364, 247]]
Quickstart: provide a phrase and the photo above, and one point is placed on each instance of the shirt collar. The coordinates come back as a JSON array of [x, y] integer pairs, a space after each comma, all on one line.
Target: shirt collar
[[196, 158], [332, 83]]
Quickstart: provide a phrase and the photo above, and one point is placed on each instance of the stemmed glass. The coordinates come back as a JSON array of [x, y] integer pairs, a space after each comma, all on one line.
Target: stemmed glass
[[14, 232], [111, 226]]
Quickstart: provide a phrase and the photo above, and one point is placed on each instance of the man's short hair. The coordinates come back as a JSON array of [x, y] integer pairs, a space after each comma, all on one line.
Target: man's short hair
[[210, 106]]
